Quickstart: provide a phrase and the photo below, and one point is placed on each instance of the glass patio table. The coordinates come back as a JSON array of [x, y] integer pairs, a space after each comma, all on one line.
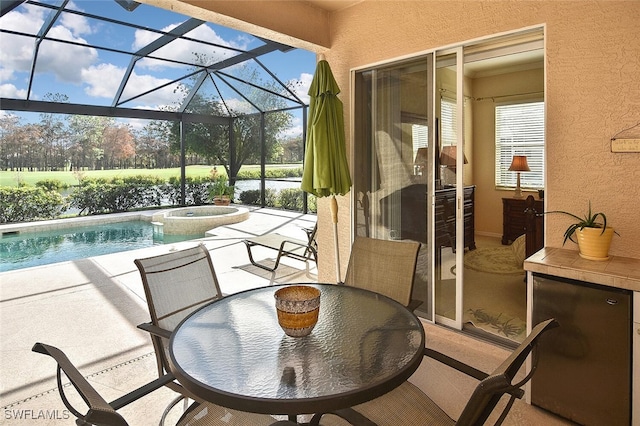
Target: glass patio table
[[233, 352]]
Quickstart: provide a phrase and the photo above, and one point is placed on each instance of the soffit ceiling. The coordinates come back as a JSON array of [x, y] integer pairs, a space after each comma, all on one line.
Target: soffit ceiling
[[170, 69], [332, 5]]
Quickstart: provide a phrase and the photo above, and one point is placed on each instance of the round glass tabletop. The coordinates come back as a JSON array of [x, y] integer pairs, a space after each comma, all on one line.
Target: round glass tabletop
[[233, 352]]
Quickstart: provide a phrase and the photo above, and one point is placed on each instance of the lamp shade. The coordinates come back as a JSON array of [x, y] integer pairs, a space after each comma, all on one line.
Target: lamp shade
[[421, 157], [448, 156], [519, 164]]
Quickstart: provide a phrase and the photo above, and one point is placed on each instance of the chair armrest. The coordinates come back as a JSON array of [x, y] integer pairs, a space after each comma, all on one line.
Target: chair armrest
[[413, 304], [454, 363], [88, 393], [466, 369], [155, 330], [142, 391]]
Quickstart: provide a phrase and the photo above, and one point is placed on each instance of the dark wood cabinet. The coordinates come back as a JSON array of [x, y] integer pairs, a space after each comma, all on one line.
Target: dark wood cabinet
[[411, 201], [445, 211], [515, 219]]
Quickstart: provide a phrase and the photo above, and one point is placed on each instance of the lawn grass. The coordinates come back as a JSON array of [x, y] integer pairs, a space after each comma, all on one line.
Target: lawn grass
[[11, 179]]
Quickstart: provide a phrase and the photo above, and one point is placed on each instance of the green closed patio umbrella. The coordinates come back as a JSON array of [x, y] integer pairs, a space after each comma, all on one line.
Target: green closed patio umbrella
[[326, 171]]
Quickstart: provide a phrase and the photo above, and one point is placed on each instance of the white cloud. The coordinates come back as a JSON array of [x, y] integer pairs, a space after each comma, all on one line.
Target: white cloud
[[239, 106], [7, 114], [28, 21], [66, 62], [103, 81], [294, 130], [134, 123], [184, 50], [301, 86], [77, 24], [291, 132], [62, 60], [11, 91], [17, 52]]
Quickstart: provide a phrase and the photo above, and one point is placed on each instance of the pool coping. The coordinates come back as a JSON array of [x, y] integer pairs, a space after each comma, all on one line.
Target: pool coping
[[70, 222]]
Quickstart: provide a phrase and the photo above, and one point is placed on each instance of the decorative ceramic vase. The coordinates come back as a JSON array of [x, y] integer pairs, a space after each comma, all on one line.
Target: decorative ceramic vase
[[297, 307], [593, 243]]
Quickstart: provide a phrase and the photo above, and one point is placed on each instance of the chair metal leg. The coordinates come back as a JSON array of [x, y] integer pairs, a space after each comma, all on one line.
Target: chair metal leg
[[171, 405], [348, 414]]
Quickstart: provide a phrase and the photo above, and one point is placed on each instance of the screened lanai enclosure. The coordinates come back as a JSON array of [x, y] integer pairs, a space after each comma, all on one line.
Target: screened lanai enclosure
[[218, 96]]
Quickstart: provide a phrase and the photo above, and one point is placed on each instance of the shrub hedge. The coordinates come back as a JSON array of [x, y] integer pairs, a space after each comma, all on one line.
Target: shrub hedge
[[100, 195], [25, 204]]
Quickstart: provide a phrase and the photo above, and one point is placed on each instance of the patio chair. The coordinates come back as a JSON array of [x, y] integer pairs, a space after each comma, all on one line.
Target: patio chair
[[384, 266], [408, 405], [303, 250], [175, 284], [100, 412]]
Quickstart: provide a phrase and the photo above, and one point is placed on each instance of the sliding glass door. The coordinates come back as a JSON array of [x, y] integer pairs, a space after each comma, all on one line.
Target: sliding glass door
[[449, 191], [424, 140], [394, 168]]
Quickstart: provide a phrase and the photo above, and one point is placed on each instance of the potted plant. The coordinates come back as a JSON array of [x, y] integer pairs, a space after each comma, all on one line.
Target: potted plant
[[220, 191], [592, 236]]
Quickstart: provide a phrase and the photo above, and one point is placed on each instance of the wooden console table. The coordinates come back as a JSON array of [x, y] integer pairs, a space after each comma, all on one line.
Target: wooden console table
[[412, 204]]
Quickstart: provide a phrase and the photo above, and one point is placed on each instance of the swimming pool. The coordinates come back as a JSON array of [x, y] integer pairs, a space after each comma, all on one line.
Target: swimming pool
[[27, 249]]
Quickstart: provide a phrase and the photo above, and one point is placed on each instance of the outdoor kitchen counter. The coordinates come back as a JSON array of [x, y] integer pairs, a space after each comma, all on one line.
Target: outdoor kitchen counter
[[620, 272]]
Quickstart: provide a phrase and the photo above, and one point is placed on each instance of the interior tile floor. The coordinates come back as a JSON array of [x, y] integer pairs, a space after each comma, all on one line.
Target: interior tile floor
[[90, 309]]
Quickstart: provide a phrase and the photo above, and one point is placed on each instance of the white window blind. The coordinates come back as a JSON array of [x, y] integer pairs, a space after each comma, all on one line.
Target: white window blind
[[448, 122], [520, 131], [420, 135]]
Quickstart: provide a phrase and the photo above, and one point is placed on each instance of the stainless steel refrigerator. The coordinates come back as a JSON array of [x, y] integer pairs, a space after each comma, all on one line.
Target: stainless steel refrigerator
[[584, 369]]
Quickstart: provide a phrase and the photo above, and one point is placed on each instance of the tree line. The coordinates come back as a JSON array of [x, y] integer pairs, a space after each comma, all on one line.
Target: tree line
[[76, 142], [73, 143]]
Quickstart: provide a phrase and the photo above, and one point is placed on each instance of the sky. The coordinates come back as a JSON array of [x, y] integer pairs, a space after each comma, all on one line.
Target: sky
[[92, 76]]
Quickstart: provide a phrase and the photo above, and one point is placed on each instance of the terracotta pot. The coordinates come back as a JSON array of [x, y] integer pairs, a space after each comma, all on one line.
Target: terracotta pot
[[593, 244], [222, 201]]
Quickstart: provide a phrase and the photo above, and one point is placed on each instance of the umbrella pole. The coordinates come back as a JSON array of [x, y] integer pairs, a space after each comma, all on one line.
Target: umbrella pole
[[334, 217]]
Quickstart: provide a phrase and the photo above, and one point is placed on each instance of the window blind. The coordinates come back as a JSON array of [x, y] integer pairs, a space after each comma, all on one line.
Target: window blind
[[448, 122], [520, 131]]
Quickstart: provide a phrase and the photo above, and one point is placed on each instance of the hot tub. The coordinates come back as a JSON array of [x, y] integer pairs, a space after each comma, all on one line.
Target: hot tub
[[198, 219]]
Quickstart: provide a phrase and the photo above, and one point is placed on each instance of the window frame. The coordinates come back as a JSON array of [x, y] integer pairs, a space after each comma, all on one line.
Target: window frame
[[531, 143]]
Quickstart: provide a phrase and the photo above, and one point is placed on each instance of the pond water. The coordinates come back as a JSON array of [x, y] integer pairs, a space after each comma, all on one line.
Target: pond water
[[278, 185]]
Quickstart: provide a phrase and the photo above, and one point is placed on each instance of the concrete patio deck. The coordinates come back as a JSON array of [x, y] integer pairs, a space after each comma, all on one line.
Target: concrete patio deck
[[90, 309]]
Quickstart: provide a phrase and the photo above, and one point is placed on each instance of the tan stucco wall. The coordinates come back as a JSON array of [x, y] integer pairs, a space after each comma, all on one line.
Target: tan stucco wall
[[592, 88]]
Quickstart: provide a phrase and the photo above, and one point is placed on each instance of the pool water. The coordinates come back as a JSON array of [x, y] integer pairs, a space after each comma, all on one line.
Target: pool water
[[25, 250]]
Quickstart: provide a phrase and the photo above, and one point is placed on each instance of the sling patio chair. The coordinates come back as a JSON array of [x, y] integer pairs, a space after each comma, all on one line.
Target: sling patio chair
[[102, 413], [175, 284], [303, 250], [384, 266], [407, 405]]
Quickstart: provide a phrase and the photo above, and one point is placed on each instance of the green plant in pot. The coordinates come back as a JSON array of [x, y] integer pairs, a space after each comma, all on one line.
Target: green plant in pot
[[220, 191], [591, 233]]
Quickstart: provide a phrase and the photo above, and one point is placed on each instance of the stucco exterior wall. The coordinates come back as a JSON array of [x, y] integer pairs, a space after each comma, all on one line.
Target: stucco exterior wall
[[592, 87], [592, 90]]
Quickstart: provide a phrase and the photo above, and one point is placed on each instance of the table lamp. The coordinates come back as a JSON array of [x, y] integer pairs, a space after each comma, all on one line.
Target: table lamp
[[519, 164], [420, 162], [448, 157], [448, 162]]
